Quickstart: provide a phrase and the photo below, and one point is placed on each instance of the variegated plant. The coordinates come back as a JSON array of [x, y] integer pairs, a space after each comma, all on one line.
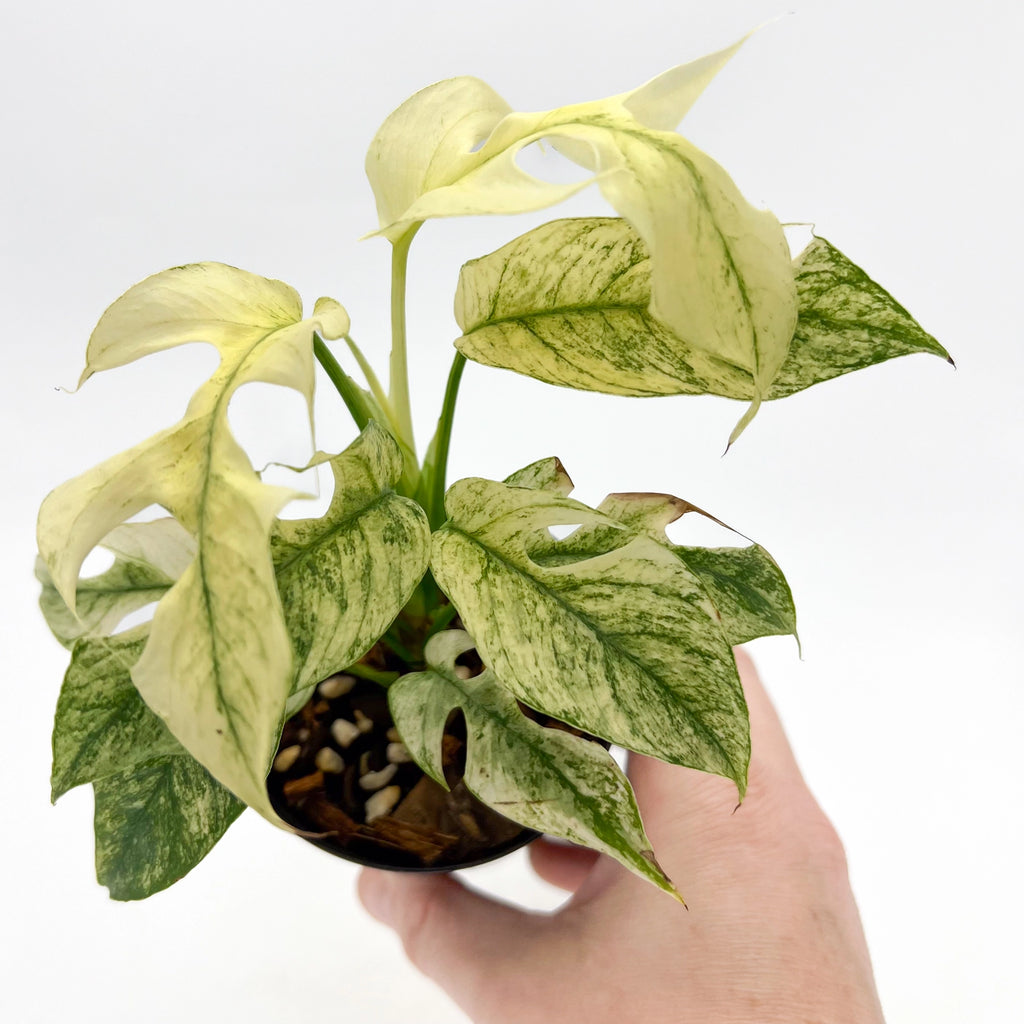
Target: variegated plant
[[613, 629]]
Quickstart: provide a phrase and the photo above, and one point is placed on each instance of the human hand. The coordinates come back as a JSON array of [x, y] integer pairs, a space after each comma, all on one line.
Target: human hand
[[772, 933]]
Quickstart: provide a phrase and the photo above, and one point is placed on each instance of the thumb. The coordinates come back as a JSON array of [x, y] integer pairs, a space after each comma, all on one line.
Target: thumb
[[467, 943]]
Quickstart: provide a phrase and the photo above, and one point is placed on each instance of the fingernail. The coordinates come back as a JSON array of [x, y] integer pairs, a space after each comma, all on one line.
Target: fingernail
[[376, 891]]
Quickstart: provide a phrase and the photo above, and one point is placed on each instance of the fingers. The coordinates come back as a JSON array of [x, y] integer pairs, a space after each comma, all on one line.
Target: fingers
[[768, 741], [674, 796], [563, 866], [465, 942]]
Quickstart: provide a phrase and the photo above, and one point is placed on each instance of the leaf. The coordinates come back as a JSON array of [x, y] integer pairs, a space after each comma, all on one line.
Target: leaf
[[150, 556], [747, 588], [155, 822], [545, 779], [720, 268], [344, 578], [620, 641], [102, 725], [158, 812], [218, 664], [428, 142], [568, 303], [543, 475], [846, 322], [745, 585]]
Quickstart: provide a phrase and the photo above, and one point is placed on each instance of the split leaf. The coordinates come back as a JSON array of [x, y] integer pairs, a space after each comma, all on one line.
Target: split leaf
[[155, 822], [149, 557], [720, 273], [102, 726], [545, 779], [218, 665], [344, 578], [620, 640], [746, 586]]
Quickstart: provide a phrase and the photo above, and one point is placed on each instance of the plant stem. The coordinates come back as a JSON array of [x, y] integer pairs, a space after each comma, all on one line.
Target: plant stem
[[374, 675], [371, 378], [399, 383], [347, 388], [442, 443]]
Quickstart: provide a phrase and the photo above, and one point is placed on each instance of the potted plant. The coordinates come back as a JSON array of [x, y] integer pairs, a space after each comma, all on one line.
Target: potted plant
[[429, 674]]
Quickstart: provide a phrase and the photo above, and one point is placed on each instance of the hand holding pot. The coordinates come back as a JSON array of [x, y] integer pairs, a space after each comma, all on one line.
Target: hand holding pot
[[772, 932]]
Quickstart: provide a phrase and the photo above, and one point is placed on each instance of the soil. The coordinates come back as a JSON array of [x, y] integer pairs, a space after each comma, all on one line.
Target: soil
[[325, 774]]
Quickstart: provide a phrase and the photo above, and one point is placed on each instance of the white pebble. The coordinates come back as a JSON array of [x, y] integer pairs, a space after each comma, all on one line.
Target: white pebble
[[398, 753], [382, 802], [375, 780], [336, 686], [344, 731], [286, 758], [364, 723], [329, 760], [463, 671]]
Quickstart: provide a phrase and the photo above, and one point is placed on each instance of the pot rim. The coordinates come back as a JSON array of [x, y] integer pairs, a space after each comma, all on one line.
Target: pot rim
[[379, 859]]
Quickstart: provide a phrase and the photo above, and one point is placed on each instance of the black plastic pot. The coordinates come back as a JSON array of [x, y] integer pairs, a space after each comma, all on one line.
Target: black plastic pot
[[399, 861], [317, 786]]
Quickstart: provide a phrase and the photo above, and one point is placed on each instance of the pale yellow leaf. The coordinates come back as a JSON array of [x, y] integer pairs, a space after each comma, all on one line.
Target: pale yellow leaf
[[720, 269], [218, 664]]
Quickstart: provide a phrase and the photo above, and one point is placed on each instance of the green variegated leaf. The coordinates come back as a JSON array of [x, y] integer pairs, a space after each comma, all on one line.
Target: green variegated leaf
[[846, 322], [344, 577], [745, 585], [149, 557], [545, 779], [748, 589], [154, 822], [622, 641], [218, 664], [569, 303], [102, 726], [543, 475], [720, 273]]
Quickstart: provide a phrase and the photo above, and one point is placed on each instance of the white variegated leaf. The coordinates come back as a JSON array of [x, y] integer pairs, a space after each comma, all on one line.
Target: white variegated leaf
[[102, 726], [343, 578], [846, 322], [154, 822], [148, 558], [543, 475], [622, 642], [745, 585], [569, 303], [720, 274], [545, 779], [158, 811], [218, 664]]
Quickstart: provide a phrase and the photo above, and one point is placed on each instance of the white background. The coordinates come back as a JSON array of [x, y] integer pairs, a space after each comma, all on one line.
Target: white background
[[141, 136]]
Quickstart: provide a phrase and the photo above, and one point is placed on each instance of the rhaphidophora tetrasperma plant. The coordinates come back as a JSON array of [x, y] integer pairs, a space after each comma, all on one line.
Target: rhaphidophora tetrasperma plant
[[614, 629]]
